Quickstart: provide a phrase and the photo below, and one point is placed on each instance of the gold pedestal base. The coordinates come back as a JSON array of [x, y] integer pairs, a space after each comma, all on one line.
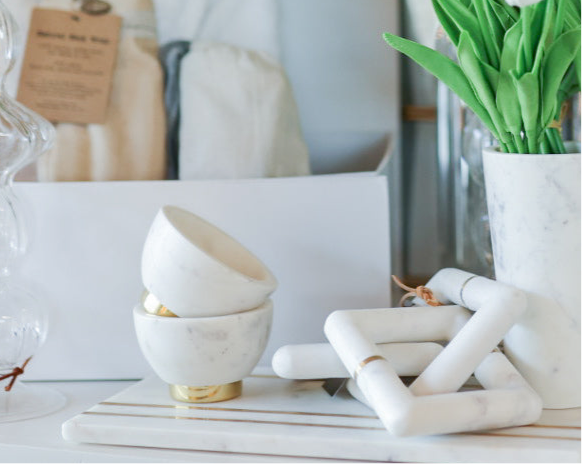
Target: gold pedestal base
[[208, 394]]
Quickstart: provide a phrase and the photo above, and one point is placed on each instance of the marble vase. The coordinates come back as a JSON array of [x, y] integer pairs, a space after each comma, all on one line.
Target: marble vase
[[534, 212]]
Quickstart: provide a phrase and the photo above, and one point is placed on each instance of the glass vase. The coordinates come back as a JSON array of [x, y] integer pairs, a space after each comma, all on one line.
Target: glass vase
[[462, 209], [24, 136]]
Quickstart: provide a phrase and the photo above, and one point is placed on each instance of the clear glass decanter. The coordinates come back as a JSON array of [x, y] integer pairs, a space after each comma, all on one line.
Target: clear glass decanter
[[24, 136], [463, 218]]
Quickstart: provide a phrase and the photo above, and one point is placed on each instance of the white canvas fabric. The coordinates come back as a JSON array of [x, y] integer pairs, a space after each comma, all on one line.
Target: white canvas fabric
[[130, 145], [248, 24], [239, 118], [179, 19]]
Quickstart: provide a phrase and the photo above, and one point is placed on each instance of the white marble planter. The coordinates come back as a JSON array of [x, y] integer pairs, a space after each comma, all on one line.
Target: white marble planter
[[534, 212]]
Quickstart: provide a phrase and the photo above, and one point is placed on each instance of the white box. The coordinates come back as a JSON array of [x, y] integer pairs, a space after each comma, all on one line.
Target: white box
[[325, 238]]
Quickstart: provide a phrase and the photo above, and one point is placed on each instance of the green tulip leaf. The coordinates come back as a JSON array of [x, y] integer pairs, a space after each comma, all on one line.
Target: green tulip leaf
[[505, 19], [491, 74], [577, 62], [474, 71], [448, 25], [516, 65], [495, 26], [521, 65], [510, 48], [528, 94], [510, 10], [571, 15], [446, 70], [506, 91], [539, 17], [545, 34], [569, 86], [460, 15], [560, 19], [558, 59], [527, 44], [492, 36]]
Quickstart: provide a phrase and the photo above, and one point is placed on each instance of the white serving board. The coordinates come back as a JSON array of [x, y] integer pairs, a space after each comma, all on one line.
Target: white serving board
[[286, 418]]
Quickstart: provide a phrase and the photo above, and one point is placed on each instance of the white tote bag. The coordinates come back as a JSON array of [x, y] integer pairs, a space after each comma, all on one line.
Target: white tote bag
[[239, 118], [130, 145]]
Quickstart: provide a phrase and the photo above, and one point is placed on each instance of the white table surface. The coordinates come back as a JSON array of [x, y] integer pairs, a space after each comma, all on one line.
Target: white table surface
[[40, 440]]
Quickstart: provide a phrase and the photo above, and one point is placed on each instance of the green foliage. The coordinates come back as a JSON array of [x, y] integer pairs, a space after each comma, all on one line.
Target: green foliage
[[517, 66], [446, 70]]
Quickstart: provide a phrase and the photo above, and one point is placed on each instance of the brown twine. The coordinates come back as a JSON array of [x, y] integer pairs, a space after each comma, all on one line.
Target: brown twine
[[421, 292], [14, 374]]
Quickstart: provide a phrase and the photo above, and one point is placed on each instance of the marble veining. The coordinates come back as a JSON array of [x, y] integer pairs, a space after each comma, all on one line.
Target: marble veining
[[319, 360], [204, 351], [197, 270], [298, 418], [534, 210], [429, 406]]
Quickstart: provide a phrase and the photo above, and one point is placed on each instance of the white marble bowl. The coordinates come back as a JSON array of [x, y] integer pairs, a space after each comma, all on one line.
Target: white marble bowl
[[195, 269], [204, 351]]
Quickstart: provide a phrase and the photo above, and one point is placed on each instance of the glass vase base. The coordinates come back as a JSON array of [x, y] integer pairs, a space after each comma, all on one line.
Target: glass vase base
[[27, 401]]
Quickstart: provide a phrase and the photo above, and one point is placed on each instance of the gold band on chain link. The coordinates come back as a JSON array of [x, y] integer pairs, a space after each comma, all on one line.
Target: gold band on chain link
[[364, 363]]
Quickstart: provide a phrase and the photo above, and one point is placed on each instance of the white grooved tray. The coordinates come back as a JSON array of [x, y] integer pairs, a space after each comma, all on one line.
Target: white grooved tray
[[287, 418]]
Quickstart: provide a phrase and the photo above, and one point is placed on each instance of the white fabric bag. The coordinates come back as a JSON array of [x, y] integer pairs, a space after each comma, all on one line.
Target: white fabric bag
[[179, 19], [130, 145], [239, 118]]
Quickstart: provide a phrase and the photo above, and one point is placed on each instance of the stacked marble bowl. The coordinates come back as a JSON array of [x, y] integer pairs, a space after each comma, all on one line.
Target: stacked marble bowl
[[205, 317]]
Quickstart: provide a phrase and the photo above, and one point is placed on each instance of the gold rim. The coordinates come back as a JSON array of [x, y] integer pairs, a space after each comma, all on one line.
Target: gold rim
[[364, 363], [153, 306], [206, 394]]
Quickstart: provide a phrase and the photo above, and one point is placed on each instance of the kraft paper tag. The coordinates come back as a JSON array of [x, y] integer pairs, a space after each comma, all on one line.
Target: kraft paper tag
[[68, 65]]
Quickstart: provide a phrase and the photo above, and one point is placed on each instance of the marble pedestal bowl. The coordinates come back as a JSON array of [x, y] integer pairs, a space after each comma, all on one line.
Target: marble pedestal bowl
[[194, 269], [204, 359]]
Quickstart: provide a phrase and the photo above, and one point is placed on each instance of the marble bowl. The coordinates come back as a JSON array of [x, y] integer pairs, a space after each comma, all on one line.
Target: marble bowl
[[205, 351], [196, 270]]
